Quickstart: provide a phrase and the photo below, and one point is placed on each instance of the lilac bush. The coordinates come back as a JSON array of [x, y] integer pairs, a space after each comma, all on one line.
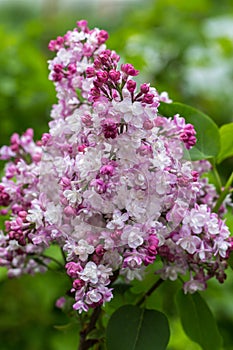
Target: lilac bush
[[112, 183]]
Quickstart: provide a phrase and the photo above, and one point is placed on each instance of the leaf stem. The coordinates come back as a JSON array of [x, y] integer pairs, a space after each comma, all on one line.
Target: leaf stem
[[150, 291], [63, 255], [53, 259], [217, 176], [85, 344], [223, 194]]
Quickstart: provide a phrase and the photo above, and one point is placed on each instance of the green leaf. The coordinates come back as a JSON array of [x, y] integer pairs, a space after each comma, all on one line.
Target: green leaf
[[208, 140], [229, 219], [3, 273], [230, 260], [198, 321], [226, 142], [134, 328]]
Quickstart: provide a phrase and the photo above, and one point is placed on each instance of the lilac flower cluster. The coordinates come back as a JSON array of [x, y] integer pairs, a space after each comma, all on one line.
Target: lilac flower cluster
[[109, 182]]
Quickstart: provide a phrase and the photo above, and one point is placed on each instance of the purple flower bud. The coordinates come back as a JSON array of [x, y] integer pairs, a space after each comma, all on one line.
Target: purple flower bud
[[145, 150], [99, 250], [87, 120], [87, 50], [81, 148], [45, 139], [69, 211], [78, 284], [52, 45], [55, 45], [57, 68], [148, 98], [73, 269], [36, 157], [109, 128], [114, 75], [99, 185], [102, 37], [57, 77], [72, 68], [187, 136], [60, 40], [65, 182], [104, 57], [60, 302], [115, 57], [82, 24], [129, 69], [95, 93], [144, 88], [152, 250], [4, 198], [153, 240], [90, 72], [131, 85], [195, 175], [107, 170], [3, 212], [97, 63], [102, 76], [148, 260], [15, 139], [22, 214]]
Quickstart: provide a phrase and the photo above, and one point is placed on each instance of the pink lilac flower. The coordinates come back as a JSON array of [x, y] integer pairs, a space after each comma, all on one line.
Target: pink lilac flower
[[108, 182]]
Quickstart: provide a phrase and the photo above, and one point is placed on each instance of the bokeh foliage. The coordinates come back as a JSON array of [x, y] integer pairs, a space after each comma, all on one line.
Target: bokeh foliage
[[183, 47]]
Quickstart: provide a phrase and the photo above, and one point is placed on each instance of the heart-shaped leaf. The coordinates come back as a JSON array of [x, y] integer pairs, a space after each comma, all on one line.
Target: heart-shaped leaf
[[226, 142], [198, 321], [135, 328]]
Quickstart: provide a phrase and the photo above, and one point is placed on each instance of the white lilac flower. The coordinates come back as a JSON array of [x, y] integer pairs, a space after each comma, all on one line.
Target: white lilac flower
[[53, 214], [73, 196], [132, 236], [83, 249], [35, 215], [90, 273], [189, 243], [118, 220]]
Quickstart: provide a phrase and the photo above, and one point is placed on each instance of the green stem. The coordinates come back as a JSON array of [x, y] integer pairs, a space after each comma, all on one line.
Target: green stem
[[63, 255], [150, 291], [53, 259], [120, 92], [224, 193], [217, 176]]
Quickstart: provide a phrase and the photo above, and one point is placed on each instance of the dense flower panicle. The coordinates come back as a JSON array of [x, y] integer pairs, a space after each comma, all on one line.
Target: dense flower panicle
[[109, 182]]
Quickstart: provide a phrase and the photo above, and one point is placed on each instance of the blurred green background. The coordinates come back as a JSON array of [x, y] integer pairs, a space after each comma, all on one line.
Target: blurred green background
[[183, 47]]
